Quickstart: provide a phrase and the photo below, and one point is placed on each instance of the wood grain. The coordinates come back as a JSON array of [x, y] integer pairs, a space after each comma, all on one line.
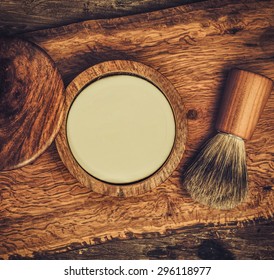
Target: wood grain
[[245, 96], [222, 242], [44, 208], [31, 103], [28, 15], [138, 69]]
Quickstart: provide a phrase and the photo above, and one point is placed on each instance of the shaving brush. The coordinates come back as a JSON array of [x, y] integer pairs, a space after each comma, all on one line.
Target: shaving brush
[[218, 176]]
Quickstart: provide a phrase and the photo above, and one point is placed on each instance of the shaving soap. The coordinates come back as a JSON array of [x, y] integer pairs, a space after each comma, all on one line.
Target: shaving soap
[[120, 129]]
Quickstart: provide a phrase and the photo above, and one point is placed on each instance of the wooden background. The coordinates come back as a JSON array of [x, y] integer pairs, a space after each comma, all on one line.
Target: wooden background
[[233, 240], [28, 15]]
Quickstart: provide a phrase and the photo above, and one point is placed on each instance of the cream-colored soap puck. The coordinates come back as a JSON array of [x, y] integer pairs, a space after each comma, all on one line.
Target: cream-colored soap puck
[[124, 130], [121, 129]]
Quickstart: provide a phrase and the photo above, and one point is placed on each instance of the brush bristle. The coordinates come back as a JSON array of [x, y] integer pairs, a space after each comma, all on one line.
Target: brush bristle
[[218, 177]]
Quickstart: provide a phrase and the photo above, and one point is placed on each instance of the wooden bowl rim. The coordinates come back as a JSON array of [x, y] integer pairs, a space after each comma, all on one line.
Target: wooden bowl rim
[[118, 67]]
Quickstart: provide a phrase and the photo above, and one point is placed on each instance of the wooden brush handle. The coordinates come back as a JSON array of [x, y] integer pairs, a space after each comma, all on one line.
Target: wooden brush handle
[[244, 98]]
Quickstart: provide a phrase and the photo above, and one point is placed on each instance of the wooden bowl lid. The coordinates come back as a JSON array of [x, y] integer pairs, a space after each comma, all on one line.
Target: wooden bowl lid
[[120, 67], [31, 102]]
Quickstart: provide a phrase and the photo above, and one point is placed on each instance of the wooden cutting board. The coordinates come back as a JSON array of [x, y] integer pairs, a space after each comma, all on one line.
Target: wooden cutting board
[[43, 208]]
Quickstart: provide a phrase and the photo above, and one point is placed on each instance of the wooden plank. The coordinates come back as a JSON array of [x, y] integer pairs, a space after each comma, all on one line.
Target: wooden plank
[[29, 15], [44, 208], [222, 242]]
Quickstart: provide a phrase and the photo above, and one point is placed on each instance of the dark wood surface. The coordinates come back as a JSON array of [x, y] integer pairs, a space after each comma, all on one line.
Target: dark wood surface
[[28, 15], [243, 240], [253, 241]]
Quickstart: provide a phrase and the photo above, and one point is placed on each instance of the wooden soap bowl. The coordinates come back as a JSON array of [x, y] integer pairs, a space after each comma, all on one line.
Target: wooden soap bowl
[[138, 69]]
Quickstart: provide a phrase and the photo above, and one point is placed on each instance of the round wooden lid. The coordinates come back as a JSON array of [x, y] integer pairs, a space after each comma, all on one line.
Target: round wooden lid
[[31, 102], [70, 136]]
